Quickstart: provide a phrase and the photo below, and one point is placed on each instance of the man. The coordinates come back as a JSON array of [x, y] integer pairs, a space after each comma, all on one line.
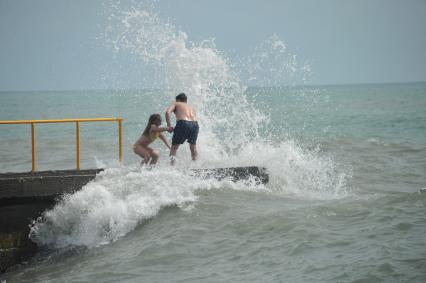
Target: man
[[186, 126]]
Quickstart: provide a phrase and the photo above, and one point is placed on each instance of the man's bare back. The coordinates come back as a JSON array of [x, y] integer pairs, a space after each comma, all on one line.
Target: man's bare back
[[182, 111]]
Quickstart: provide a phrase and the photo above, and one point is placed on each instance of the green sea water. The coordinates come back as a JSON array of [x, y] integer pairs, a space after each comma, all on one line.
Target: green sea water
[[345, 202]]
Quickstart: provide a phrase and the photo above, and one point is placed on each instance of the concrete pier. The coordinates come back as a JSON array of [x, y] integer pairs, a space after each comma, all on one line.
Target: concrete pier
[[24, 197], [46, 184]]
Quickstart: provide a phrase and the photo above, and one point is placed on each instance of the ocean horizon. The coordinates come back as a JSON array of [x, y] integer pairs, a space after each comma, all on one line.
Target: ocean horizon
[[305, 85]]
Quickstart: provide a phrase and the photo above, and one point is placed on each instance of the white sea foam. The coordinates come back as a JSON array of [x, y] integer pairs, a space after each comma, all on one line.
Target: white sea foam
[[376, 141], [118, 200]]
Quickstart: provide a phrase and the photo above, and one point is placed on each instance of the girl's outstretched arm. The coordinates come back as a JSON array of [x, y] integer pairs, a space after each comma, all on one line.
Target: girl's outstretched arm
[[163, 138], [155, 129]]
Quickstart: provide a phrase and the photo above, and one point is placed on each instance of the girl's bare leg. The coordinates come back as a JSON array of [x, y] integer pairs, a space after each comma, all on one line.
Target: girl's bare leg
[[155, 156], [146, 159], [142, 152]]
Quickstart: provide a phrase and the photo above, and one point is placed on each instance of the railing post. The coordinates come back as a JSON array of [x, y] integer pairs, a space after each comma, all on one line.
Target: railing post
[[77, 142], [33, 148], [120, 141]]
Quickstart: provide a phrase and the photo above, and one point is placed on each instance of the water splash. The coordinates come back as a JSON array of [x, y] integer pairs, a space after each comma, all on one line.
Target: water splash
[[228, 120], [118, 200], [272, 64]]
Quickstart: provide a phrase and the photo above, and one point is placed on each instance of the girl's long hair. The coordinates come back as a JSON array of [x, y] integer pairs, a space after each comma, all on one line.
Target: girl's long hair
[[152, 119]]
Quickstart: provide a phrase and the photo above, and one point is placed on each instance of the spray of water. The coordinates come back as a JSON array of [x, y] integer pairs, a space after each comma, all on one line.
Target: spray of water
[[120, 199], [272, 64], [227, 118]]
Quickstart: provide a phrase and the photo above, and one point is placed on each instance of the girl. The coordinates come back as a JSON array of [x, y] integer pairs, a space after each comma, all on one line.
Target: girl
[[150, 134]]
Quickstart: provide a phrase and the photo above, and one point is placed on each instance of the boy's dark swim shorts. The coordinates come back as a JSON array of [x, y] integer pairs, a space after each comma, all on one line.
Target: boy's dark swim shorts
[[185, 130]]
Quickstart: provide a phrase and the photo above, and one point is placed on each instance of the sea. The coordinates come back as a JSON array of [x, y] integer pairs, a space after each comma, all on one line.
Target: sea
[[345, 201]]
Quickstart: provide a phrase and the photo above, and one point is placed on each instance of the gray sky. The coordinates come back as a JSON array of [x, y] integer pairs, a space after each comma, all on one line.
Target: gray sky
[[52, 45]]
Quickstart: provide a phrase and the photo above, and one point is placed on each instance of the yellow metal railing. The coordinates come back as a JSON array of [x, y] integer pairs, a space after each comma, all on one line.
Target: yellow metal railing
[[77, 134]]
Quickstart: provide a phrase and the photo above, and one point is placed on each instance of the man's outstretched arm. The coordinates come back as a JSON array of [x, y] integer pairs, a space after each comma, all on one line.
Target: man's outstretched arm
[[169, 111]]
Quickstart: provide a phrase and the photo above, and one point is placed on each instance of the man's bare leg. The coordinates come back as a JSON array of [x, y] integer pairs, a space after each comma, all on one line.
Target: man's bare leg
[[173, 151], [194, 153]]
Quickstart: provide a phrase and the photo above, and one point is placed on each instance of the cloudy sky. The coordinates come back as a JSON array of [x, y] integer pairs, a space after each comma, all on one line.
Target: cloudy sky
[[54, 44]]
